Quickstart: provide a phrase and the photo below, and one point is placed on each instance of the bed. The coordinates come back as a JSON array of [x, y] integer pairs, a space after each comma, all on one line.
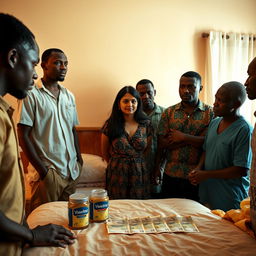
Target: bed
[[216, 236]]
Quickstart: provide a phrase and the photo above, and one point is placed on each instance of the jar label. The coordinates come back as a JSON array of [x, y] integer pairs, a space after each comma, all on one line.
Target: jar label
[[99, 211], [78, 217]]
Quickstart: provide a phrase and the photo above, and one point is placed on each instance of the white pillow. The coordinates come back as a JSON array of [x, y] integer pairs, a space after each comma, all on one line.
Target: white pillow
[[94, 169]]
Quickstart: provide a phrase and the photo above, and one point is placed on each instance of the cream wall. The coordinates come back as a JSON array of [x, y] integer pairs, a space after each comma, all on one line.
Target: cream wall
[[112, 43]]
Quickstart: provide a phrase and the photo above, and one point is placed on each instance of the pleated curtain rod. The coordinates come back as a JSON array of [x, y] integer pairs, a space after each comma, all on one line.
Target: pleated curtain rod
[[205, 35]]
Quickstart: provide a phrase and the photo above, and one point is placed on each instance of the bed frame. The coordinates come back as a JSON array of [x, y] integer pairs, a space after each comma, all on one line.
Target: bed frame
[[89, 142]]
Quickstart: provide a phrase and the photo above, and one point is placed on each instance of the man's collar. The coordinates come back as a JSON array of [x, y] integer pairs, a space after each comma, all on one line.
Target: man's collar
[[157, 109], [40, 85], [5, 106], [200, 105]]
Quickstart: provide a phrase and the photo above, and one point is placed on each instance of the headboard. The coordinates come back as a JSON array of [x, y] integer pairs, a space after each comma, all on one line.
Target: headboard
[[89, 141]]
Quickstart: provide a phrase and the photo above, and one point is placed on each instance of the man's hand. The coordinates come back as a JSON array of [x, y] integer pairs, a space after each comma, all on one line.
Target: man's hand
[[175, 136], [197, 176], [52, 235], [157, 177], [43, 172]]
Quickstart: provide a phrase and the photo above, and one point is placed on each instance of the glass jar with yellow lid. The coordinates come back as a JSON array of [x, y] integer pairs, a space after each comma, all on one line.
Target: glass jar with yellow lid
[[78, 211], [99, 203]]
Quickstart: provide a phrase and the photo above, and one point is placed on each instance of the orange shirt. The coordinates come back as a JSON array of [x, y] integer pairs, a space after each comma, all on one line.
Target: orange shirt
[[12, 191]]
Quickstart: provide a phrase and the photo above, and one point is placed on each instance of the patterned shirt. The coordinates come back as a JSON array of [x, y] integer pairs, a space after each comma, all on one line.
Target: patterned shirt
[[182, 160], [155, 117]]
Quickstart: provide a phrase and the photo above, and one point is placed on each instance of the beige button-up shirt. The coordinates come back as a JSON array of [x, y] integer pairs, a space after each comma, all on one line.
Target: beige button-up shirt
[[12, 192], [52, 121]]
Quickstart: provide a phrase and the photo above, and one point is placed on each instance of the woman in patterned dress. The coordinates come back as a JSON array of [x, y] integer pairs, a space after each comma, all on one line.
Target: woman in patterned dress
[[126, 135]]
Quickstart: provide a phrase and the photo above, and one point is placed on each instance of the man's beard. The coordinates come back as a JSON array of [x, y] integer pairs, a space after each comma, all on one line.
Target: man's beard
[[148, 106]]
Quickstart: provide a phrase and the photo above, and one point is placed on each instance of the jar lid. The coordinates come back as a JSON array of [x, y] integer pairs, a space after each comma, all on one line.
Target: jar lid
[[99, 193], [78, 198]]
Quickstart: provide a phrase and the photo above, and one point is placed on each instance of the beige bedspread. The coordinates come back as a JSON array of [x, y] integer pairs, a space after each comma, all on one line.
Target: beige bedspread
[[216, 236]]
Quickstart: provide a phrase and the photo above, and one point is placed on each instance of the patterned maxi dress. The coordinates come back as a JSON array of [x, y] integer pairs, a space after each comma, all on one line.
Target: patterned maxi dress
[[126, 174]]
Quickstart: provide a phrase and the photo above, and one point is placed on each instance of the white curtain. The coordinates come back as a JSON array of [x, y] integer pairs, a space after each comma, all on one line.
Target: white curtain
[[227, 59]]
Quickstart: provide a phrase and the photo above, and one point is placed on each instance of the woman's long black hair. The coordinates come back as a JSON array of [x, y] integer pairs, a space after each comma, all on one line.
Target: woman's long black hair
[[115, 123]]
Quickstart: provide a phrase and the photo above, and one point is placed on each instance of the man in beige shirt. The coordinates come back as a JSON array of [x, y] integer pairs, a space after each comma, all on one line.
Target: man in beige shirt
[[18, 58], [48, 135]]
